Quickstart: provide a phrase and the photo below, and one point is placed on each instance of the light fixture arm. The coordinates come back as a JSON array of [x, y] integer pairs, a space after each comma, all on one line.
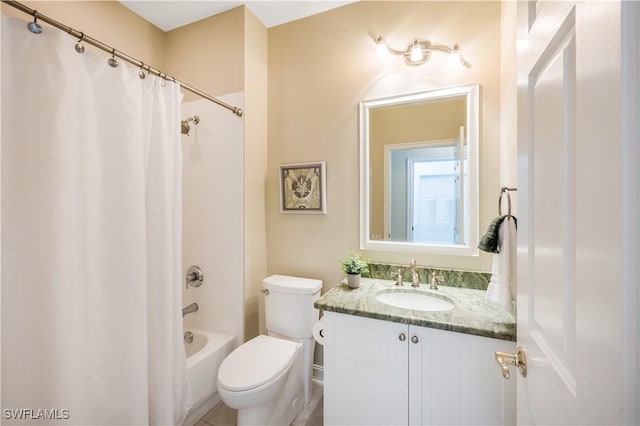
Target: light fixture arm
[[418, 52]]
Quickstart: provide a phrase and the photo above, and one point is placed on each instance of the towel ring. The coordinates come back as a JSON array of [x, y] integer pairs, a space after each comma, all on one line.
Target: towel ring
[[505, 190]]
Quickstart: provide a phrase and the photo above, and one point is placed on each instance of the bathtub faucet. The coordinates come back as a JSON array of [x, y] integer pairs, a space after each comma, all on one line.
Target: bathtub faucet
[[189, 309]]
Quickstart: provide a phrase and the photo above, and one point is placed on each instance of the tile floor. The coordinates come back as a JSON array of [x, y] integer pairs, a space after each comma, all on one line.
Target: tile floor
[[221, 415]]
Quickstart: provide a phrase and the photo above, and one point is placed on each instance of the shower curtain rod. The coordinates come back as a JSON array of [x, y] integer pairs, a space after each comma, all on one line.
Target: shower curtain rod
[[102, 46]]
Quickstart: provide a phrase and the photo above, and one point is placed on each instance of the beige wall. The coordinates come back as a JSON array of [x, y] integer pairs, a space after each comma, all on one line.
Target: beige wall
[[320, 68], [509, 101], [107, 21], [209, 54], [255, 170]]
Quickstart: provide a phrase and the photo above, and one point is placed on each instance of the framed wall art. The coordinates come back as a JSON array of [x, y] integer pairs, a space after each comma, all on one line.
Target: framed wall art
[[303, 188]]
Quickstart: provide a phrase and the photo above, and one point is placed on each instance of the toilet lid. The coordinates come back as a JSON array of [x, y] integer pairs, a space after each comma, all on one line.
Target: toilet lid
[[256, 362]]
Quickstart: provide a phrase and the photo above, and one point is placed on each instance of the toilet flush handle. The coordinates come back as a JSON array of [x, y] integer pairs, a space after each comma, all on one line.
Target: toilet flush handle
[[265, 291]]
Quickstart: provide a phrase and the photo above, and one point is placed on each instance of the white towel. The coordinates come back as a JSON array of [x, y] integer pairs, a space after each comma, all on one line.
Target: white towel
[[502, 285]]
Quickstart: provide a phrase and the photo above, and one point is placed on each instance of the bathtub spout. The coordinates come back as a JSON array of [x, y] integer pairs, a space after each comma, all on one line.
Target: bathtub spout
[[189, 309]]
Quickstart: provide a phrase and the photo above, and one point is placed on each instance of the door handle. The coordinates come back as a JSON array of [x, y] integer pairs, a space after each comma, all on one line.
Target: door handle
[[518, 359]]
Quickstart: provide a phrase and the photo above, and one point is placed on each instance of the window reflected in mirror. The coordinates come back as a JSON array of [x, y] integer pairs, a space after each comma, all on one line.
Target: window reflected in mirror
[[427, 191]]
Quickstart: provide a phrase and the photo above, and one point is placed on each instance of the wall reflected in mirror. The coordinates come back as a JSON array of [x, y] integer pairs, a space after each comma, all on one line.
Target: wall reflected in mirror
[[420, 171]]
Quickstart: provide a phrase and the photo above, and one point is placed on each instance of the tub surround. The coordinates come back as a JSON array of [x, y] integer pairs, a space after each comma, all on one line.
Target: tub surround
[[472, 314], [452, 278]]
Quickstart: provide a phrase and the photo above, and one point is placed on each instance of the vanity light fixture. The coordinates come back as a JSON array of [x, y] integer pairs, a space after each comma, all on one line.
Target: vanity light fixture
[[418, 52]]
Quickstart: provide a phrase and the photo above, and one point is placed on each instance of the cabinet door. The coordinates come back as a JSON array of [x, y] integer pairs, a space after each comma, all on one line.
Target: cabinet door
[[366, 362], [454, 379]]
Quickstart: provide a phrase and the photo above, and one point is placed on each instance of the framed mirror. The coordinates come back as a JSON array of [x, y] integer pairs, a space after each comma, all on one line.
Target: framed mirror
[[419, 172]]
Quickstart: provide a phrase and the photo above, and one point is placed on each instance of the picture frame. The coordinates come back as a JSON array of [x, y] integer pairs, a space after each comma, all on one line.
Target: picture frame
[[303, 188]]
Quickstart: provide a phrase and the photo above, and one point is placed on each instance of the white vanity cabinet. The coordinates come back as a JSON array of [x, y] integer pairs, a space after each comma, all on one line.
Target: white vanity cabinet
[[386, 373], [366, 379]]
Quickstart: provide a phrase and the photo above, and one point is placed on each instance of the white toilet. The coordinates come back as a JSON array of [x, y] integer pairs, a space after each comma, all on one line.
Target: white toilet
[[268, 378]]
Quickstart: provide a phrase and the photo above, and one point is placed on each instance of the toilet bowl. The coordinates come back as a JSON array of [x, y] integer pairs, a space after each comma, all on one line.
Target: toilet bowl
[[255, 373], [268, 378]]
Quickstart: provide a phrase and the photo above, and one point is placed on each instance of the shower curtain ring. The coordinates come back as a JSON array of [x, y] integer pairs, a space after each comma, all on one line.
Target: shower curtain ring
[[112, 60], [34, 27], [79, 45], [141, 73]]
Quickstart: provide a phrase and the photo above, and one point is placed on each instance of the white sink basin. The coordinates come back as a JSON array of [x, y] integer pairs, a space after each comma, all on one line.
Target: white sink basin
[[414, 300]]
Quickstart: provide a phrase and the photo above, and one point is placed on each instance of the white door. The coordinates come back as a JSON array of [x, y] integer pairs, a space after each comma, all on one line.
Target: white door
[[570, 233]]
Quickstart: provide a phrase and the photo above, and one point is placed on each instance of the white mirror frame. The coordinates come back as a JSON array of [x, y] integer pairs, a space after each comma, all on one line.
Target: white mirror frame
[[472, 93]]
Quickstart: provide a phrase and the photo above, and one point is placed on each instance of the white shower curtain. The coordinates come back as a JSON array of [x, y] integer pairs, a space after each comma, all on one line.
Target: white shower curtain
[[91, 238]]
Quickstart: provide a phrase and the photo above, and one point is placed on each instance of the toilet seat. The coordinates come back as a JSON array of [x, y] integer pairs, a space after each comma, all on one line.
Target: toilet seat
[[256, 362]]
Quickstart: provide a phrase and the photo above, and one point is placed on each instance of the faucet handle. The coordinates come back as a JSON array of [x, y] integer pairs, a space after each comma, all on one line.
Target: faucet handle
[[434, 281], [398, 276], [194, 277]]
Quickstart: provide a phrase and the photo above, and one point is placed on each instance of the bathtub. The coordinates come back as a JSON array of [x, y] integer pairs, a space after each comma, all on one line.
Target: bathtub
[[204, 356]]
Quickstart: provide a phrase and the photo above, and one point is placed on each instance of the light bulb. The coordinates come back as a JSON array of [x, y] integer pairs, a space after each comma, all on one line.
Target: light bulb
[[416, 52], [454, 56], [381, 46]]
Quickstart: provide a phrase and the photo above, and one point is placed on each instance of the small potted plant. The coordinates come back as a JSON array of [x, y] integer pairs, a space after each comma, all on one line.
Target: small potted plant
[[354, 265]]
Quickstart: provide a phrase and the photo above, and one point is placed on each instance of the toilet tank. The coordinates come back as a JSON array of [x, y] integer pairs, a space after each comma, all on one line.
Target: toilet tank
[[288, 305]]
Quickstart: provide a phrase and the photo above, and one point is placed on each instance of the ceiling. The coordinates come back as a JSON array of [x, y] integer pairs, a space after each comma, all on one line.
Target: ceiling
[[170, 14]]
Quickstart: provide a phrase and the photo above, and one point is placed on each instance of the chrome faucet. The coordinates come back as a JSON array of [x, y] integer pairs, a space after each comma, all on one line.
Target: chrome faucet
[[189, 309], [415, 276]]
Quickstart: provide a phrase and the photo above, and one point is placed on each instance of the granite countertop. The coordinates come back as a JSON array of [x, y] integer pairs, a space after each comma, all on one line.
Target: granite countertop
[[471, 314]]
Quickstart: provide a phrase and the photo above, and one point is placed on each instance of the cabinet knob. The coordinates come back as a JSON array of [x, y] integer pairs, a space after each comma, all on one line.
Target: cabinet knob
[[414, 339], [402, 337]]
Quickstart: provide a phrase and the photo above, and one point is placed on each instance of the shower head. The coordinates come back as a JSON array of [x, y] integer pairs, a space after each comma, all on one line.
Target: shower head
[[185, 128]]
